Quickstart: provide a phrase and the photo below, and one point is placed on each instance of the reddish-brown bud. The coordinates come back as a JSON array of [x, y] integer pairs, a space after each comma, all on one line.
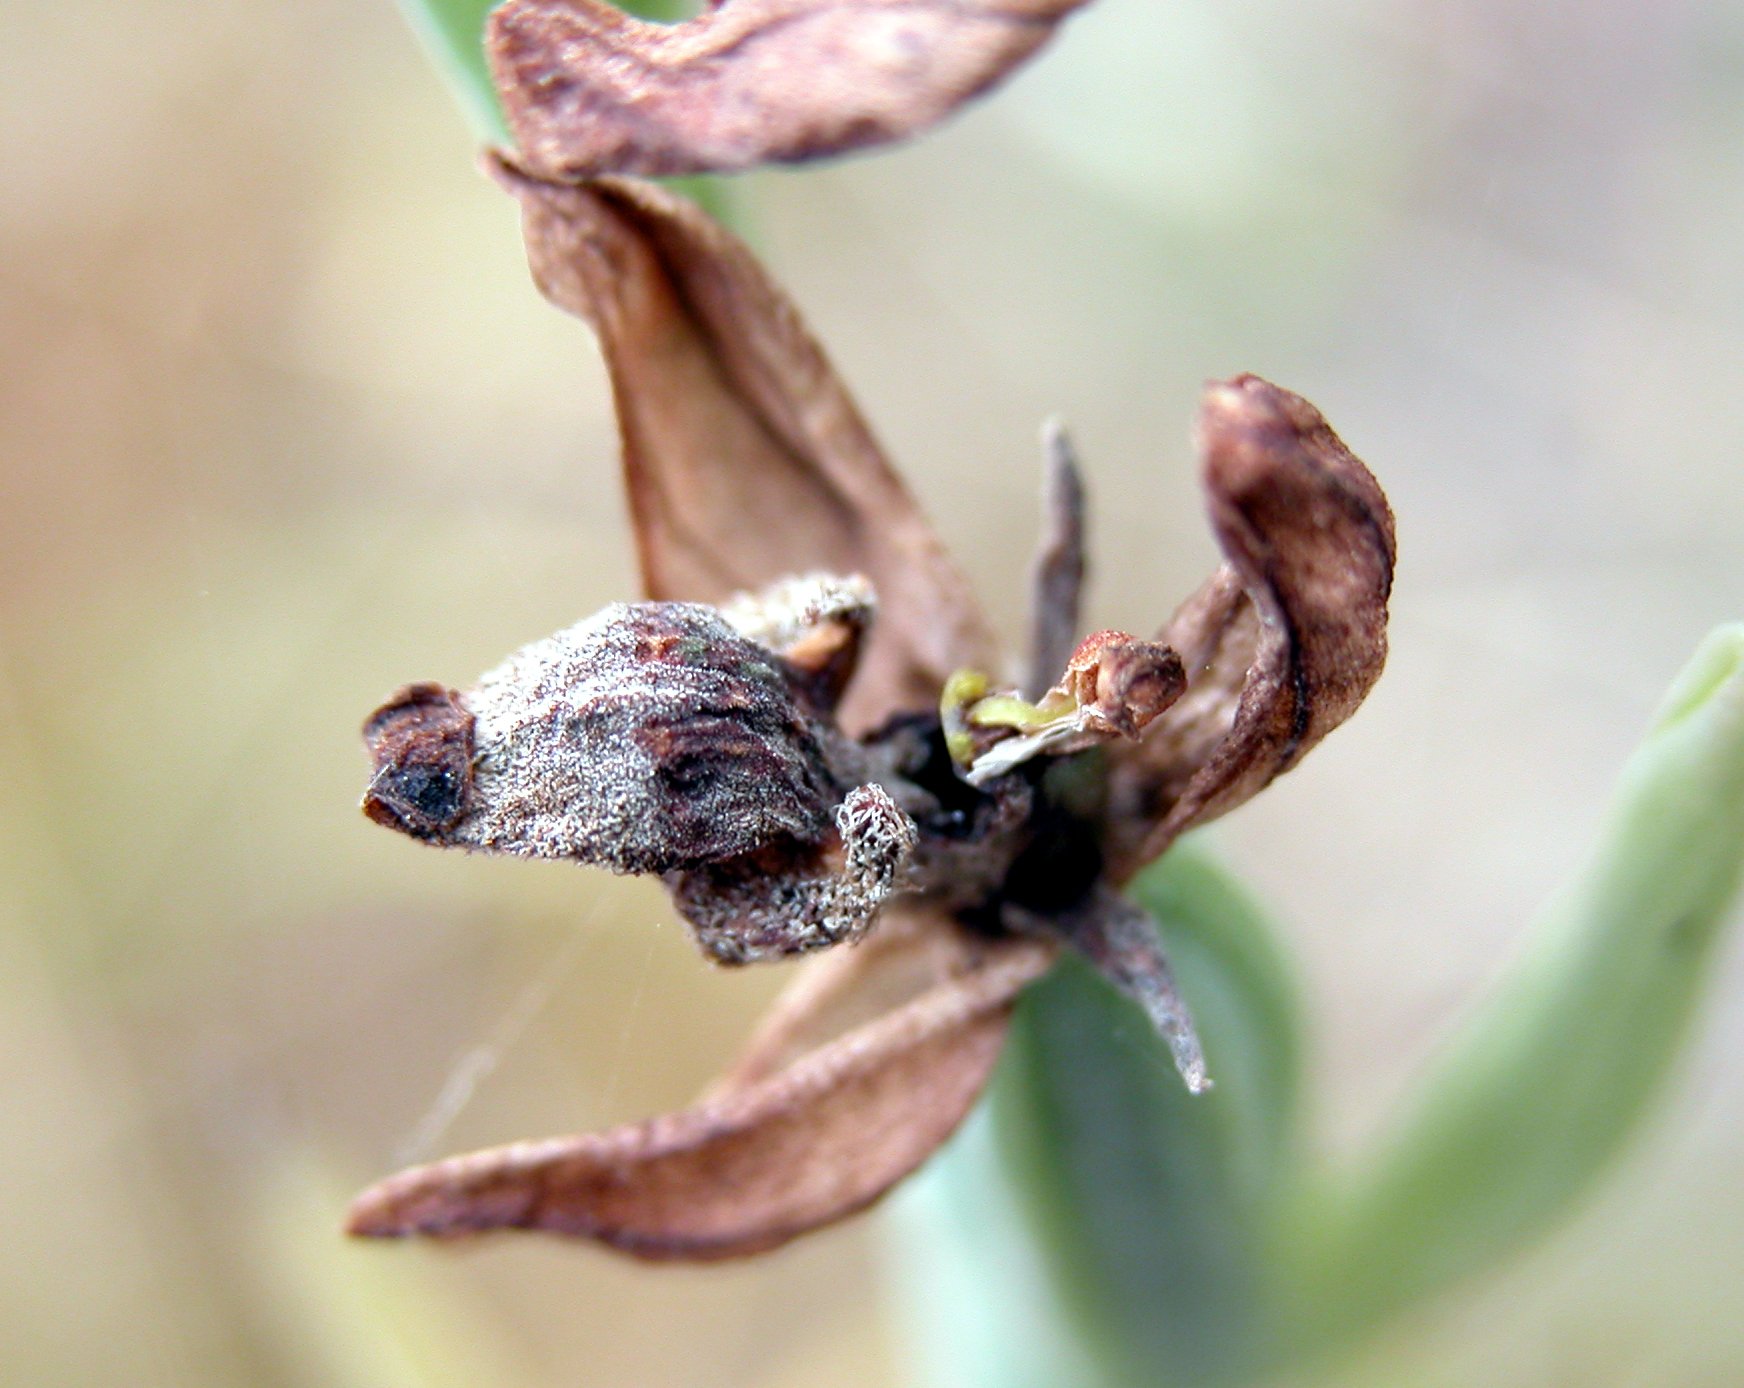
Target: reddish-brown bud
[[1122, 682]]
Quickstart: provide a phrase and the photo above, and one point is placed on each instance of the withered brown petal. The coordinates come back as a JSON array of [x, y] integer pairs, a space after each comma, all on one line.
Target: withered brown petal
[[1280, 645], [785, 1148], [589, 90], [744, 457], [914, 949]]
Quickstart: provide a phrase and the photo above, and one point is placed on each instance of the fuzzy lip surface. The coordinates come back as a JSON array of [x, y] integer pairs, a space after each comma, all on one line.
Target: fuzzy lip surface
[[933, 901]]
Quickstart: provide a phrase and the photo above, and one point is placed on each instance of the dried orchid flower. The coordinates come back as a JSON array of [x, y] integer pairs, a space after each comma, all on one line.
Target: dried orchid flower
[[803, 731], [589, 90]]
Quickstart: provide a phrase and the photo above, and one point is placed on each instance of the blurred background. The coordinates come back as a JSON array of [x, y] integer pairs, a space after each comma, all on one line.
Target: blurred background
[[283, 425]]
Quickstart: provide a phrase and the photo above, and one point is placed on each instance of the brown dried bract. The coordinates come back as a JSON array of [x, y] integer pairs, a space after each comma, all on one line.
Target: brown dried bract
[[744, 457], [589, 90], [782, 1150]]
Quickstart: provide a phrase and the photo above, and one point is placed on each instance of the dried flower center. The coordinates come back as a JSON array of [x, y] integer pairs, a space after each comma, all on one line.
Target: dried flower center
[[1114, 686]]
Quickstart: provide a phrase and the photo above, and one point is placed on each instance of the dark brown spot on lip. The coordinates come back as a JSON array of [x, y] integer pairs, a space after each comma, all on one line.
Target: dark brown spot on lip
[[421, 743]]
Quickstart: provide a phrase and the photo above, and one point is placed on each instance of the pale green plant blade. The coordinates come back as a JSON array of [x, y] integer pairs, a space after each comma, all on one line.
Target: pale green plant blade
[[975, 1297], [1144, 1213], [1541, 1087], [453, 34]]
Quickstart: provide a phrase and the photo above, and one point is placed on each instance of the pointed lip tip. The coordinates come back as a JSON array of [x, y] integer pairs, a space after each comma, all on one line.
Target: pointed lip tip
[[1239, 382], [1240, 393], [380, 1211], [363, 1221], [1242, 416]]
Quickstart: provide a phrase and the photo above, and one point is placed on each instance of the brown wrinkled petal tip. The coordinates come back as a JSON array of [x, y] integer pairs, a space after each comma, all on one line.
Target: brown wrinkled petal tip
[[590, 90], [1283, 642], [752, 1165]]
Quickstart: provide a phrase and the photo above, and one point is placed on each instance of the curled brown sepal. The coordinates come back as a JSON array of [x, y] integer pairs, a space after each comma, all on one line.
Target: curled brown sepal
[[744, 457], [589, 90], [1284, 641], [791, 1143]]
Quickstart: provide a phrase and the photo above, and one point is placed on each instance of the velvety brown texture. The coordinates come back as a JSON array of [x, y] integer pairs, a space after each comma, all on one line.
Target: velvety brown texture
[[744, 456], [589, 90]]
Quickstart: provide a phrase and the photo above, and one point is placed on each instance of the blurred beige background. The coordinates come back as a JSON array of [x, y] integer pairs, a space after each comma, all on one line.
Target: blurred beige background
[[282, 425]]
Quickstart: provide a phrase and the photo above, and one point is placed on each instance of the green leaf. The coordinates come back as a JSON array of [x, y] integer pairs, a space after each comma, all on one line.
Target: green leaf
[[1544, 1084], [453, 35], [974, 1293], [1144, 1213]]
